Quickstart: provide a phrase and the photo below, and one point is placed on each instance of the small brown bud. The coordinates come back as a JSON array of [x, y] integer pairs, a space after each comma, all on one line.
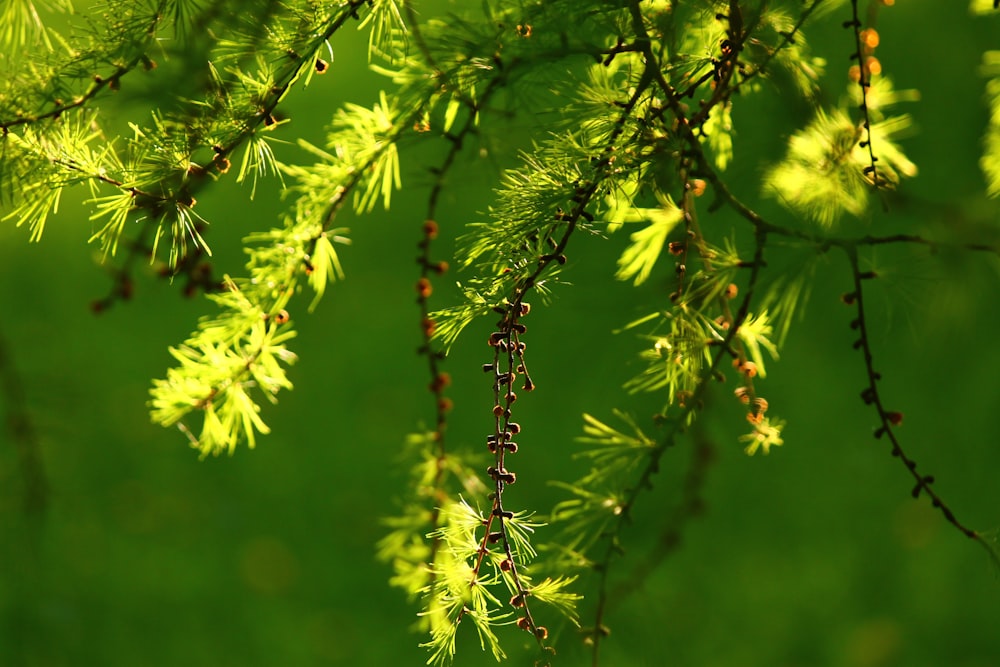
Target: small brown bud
[[430, 229], [440, 382], [424, 288]]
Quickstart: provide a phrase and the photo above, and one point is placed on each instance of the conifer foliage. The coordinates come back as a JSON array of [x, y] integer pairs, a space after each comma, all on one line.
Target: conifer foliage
[[646, 110]]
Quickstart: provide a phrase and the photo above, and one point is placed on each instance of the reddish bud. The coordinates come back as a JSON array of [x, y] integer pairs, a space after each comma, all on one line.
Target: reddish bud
[[440, 382], [430, 229], [424, 288]]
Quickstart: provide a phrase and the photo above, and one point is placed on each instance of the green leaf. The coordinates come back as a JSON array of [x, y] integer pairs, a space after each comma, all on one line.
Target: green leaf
[[647, 244], [325, 264]]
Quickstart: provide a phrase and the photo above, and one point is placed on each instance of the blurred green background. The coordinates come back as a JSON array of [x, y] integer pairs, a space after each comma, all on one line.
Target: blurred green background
[[814, 555]]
